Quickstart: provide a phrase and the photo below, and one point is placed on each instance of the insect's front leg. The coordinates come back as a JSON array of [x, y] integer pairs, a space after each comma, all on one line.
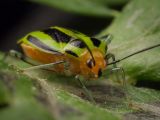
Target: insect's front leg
[[120, 70], [80, 79], [112, 57], [116, 69]]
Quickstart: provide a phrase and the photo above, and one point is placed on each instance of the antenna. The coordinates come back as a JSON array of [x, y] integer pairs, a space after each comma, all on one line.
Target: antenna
[[89, 50], [137, 52]]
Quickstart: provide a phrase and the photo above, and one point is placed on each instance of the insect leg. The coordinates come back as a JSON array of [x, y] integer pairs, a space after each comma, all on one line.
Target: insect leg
[[120, 69], [11, 53], [112, 57], [15, 53], [115, 68], [43, 65], [80, 80], [35, 64]]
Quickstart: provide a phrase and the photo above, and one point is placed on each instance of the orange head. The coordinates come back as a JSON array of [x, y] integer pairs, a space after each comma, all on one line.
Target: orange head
[[92, 65]]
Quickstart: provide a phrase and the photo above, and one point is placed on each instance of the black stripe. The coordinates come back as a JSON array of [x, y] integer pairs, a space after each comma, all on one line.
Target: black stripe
[[96, 42], [71, 53], [51, 33], [57, 35], [78, 43], [38, 43]]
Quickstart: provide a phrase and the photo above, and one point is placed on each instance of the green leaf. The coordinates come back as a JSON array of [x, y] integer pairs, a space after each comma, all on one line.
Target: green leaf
[[4, 95], [36, 98], [62, 93], [85, 7], [17, 100], [41, 94], [136, 28]]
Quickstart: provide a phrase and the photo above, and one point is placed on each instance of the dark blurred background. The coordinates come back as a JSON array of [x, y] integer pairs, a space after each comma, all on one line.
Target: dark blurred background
[[19, 17]]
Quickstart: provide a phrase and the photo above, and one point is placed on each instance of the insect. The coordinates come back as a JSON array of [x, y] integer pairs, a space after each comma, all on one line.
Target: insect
[[70, 52], [85, 55]]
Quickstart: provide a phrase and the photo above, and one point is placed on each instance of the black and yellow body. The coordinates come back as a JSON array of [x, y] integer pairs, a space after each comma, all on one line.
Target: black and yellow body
[[85, 55]]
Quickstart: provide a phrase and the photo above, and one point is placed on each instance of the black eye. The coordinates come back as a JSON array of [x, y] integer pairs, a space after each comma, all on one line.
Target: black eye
[[90, 63]]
